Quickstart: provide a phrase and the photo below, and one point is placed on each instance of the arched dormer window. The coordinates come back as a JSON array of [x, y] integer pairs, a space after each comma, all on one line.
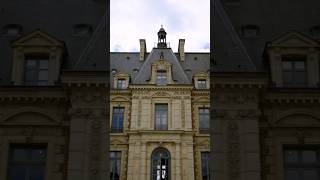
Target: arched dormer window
[[201, 80], [121, 81], [161, 73]]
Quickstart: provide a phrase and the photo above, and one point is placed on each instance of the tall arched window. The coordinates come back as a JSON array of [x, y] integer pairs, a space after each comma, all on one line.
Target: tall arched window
[[160, 164]]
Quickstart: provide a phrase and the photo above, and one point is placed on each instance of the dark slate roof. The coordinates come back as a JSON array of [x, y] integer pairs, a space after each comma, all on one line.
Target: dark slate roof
[[178, 73], [182, 71], [274, 18], [56, 18], [230, 55]]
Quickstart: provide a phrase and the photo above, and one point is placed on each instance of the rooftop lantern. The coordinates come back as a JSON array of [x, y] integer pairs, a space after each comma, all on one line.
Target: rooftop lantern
[[162, 42]]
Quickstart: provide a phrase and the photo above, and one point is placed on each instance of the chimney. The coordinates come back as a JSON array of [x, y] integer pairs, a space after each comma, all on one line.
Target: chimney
[[143, 49], [181, 49]]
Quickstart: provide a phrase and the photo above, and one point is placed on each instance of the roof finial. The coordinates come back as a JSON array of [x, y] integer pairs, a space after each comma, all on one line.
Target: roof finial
[[161, 26]]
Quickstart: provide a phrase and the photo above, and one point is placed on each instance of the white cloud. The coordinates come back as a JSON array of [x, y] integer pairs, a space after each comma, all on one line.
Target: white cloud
[[132, 20]]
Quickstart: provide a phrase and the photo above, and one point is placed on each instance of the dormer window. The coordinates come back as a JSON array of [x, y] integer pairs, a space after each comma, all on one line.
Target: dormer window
[[294, 70], [121, 84], [202, 84], [161, 77], [36, 70], [12, 30], [250, 31]]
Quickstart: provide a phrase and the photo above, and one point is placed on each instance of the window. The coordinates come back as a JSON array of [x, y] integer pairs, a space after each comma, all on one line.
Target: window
[[202, 84], [27, 162], [121, 84], [301, 162], [250, 31], [294, 71], [82, 30], [115, 164], [160, 164], [36, 70], [12, 30], [117, 120], [161, 117], [205, 166], [204, 120], [161, 77]]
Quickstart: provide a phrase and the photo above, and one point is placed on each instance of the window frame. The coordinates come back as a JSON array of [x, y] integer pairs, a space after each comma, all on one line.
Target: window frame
[[121, 85], [161, 77], [27, 163], [207, 155], [117, 160], [202, 114], [299, 165], [163, 126], [294, 71], [117, 115], [37, 58], [202, 85]]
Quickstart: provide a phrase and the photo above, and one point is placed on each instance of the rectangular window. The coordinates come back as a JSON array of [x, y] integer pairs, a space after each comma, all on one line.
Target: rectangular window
[[161, 77], [294, 71], [161, 117], [36, 70], [202, 84], [301, 162], [121, 84], [27, 162], [204, 120], [205, 166], [117, 120], [115, 165]]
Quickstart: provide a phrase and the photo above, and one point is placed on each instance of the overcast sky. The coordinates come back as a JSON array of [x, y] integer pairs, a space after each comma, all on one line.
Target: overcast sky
[[132, 20]]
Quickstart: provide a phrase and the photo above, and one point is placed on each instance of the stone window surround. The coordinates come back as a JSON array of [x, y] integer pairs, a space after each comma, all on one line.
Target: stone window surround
[[201, 76], [119, 76], [7, 140], [196, 115], [161, 64], [312, 64], [123, 163], [280, 142], [125, 117], [161, 101]]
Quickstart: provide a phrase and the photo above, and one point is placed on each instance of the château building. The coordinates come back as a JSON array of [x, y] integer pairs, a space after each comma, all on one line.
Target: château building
[[160, 113]]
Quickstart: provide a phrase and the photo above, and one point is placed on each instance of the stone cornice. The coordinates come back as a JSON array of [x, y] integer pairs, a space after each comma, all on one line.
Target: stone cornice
[[85, 78], [292, 97], [167, 87], [240, 80], [21, 93]]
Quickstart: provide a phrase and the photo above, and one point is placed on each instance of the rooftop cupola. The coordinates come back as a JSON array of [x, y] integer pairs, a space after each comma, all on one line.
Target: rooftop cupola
[[162, 42]]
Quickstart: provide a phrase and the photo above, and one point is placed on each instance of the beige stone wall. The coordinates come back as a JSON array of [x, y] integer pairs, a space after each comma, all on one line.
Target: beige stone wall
[[139, 140]]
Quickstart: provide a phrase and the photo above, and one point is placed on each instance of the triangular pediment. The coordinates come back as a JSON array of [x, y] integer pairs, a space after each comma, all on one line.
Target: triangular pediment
[[37, 38], [294, 39]]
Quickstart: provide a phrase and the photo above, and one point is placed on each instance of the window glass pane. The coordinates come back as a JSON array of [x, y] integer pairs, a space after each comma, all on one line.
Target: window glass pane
[[287, 77], [115, 165], [205, 158], [202, 84], [31, 64], [291, 175], [161, 116], [117, 120], [31, 75], [17, 172], [121, 83], [36, 172], [38, 154], [299, 65], [204, 119], [287, 65], [300, 78], [291, 156], [310, 175], [43, 75], [161, 77], [309, 156], [20, 155], [43, 64]]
